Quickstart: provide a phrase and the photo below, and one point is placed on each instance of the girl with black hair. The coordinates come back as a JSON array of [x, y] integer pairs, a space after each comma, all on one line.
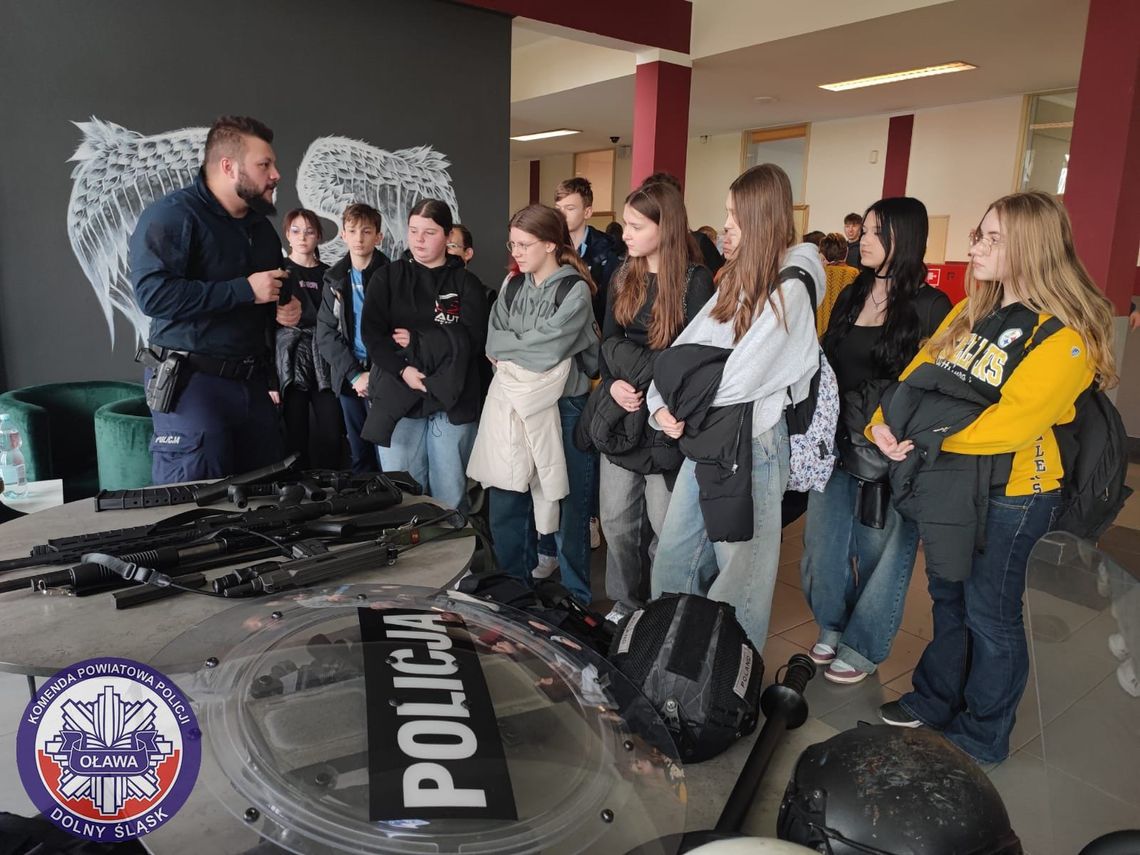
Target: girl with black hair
[[425, 327], [858, 551]]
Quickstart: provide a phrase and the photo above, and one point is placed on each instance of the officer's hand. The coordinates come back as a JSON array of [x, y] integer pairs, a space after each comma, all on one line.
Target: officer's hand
[[414, 378], [360, 384], [266, 285], [289, 315]]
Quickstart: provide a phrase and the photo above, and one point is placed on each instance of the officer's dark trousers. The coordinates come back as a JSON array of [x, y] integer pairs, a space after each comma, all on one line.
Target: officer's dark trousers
[[218, 428]]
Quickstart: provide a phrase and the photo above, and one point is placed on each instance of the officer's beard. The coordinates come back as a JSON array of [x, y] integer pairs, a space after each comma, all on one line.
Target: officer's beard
[[253, 197]]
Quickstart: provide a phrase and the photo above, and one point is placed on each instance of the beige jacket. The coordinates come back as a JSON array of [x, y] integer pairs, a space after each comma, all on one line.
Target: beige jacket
[[519, 443]]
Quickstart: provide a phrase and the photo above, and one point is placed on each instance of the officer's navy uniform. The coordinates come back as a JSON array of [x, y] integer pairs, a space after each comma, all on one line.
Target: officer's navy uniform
[[189, 262]]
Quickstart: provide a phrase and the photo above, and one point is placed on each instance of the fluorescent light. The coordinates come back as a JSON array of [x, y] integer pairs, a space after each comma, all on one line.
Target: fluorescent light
[[896, 76], [545, 135]]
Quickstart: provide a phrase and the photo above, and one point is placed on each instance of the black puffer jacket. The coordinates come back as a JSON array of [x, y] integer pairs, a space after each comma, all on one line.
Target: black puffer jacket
[[442, 354], [719, 439], [857, 455], [946, 494], [299, 362], [624, 437]]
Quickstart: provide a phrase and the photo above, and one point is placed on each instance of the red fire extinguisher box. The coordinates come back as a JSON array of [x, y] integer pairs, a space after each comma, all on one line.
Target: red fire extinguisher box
[[949, 277]]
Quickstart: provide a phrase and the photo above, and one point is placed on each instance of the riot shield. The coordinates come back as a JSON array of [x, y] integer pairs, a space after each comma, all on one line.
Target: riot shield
[[1075, 773], [384, 718]]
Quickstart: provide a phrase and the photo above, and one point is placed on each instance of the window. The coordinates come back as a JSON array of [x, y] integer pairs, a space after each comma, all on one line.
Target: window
[[598, 168], [786, 147], [1049, 128]]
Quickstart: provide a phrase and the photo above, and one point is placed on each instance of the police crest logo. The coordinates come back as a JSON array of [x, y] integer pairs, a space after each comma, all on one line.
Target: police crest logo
[[108, 749]]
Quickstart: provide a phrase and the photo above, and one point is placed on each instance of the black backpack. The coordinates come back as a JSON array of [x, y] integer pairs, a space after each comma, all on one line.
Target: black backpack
[[690, 657], [1094, 453]]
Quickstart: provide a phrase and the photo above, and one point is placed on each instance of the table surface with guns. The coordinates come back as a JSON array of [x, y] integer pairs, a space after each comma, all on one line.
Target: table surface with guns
[[57, 608]]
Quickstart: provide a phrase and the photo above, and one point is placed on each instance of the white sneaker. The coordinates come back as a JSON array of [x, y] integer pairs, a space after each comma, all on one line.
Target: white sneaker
[[1126, 676], [547, 564], [822, 654], [595, 533], [1117, 647]]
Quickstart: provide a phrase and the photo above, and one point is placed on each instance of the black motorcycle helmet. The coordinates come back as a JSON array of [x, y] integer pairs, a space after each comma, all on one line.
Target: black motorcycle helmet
[[881, 790]]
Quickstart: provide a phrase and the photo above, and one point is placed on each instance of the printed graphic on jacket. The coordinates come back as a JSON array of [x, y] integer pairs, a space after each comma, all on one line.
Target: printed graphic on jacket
[[447, 309]]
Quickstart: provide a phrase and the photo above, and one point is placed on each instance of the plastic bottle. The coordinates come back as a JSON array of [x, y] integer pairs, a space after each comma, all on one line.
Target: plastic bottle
[[12, 470]]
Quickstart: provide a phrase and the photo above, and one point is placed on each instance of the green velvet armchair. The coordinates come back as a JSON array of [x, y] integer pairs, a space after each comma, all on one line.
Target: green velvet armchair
[[57, 423]]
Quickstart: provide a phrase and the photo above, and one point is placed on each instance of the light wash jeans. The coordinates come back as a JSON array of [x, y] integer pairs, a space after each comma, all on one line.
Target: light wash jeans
[[434, 452], [741, 574], [855, 577], [626, 499]]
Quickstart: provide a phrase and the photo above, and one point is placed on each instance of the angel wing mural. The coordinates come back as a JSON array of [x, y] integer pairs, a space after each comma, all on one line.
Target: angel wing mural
[[337, 171], [119, 172]]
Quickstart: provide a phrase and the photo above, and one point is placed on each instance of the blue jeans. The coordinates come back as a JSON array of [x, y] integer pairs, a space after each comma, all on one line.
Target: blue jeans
[[512, 516], [742, 574], [434, 452], [971, 676], [855, 577], [361, 451]]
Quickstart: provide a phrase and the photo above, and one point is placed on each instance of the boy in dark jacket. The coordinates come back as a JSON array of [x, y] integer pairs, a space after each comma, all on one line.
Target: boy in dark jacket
[[338, 325]]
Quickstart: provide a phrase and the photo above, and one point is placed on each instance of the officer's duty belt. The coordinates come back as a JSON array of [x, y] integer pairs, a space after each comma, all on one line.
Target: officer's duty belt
[[229, 369]]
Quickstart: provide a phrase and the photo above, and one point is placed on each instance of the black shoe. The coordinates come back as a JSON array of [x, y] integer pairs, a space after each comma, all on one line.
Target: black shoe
[[894, 714]]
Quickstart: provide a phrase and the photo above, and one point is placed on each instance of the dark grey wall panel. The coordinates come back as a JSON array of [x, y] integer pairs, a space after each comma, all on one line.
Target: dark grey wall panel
[[393, 73]]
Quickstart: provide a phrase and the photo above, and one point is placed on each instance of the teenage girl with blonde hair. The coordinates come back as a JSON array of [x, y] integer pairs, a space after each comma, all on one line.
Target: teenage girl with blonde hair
[[1024, 270]]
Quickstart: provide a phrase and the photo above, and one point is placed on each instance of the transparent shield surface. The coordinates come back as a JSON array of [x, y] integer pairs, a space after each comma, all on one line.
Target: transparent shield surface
[[280, 691], [1080, 762]]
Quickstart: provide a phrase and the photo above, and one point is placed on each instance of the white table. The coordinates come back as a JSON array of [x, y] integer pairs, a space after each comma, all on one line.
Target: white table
[[41, 495]]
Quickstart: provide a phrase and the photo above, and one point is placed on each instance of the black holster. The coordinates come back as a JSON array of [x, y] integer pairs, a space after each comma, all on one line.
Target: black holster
[[164, 383]]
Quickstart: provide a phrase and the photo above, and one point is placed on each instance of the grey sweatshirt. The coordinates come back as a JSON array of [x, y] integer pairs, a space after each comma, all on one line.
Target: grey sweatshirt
[[538, 335], [769, 360]]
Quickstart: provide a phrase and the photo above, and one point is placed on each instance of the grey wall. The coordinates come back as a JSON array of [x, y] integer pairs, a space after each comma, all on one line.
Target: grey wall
[[395, 73]]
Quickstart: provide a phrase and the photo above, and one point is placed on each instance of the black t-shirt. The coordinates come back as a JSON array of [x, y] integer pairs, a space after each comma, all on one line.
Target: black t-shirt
[[853, 255], [698, 291], [850, 355], [700, 287], [307, 283]]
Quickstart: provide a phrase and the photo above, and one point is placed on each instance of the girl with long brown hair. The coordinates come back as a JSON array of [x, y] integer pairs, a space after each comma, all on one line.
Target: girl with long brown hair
[[768, 331], [543, 318], [1024, 273], [658, 290]]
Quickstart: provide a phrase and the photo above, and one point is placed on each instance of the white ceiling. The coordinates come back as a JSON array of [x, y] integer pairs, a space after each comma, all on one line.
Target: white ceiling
[[1019, 46]]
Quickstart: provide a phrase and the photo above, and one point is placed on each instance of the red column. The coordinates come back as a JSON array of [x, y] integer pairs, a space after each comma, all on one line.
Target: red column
[[1102, 189], [660, 120], [896, 165], [535, 181]]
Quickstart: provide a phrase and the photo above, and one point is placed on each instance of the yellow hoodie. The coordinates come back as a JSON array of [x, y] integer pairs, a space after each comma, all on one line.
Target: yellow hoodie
[[1039, 393]]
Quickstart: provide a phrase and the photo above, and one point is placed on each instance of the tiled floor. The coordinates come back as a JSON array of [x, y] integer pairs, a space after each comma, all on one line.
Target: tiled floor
[[1088, 785]]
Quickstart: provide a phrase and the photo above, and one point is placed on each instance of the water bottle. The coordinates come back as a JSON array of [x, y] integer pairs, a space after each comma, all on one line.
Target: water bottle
[[12, 474]]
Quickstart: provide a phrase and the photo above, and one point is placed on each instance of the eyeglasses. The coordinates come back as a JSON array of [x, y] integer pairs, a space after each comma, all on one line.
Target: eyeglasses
[[512, 245], [982, 243], [297, 230]]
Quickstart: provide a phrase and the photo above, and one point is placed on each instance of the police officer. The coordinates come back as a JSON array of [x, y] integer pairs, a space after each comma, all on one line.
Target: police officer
[[206, 268]]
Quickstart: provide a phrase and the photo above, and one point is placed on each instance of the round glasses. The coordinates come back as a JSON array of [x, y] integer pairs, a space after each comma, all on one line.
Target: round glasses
[[512, 245], [981, 243]]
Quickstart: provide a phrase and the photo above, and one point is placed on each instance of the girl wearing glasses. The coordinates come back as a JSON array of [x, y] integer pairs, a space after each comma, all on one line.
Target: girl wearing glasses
[[303, 376], [858, 551], [658, 290], [721, 536], [1017, 386], [543, 321]]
